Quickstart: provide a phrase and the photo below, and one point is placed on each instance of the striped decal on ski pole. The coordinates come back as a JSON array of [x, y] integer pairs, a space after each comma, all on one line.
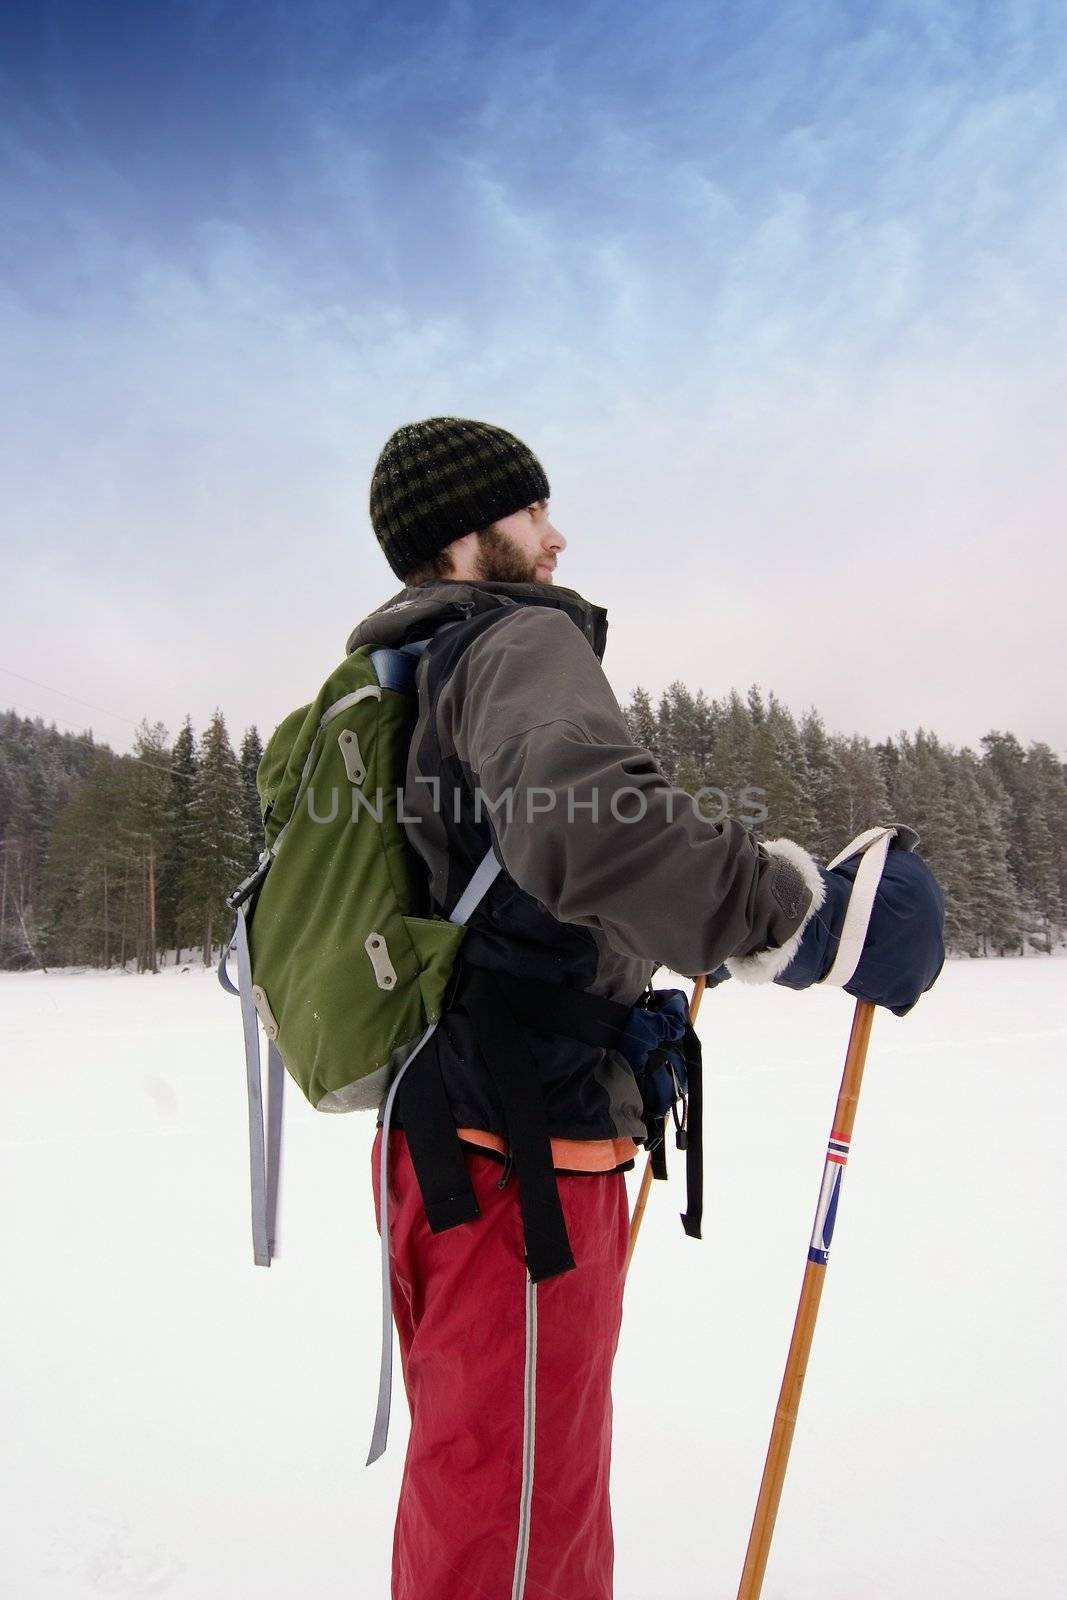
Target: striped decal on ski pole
[[826, 1212]]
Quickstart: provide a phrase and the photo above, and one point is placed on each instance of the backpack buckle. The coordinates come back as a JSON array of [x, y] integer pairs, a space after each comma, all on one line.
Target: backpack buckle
[[248, 886]]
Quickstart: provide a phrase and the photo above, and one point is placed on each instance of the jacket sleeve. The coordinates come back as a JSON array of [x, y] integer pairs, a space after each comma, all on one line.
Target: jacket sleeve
[[584, 820]]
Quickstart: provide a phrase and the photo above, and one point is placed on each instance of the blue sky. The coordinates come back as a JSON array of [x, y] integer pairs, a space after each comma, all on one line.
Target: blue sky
[[777, 292]]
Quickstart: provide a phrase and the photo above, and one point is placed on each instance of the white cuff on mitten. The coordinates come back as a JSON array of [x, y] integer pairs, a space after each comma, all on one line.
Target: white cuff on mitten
[[765, 965]]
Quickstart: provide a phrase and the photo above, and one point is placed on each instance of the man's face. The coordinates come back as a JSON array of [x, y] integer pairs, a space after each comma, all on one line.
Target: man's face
[[520, 548]]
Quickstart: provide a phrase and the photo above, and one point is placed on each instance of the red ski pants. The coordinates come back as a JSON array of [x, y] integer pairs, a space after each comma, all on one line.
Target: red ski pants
[[505, 1487]]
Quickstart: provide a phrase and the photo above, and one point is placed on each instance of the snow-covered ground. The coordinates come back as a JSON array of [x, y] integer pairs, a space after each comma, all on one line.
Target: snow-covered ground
[[177, 1422]]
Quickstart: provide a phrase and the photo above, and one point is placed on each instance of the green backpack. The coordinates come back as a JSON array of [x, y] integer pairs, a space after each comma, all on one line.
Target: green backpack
[[338, 955]]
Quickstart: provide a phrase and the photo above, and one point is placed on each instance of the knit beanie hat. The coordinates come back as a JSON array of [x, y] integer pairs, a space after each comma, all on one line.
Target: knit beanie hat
[[439, 479]]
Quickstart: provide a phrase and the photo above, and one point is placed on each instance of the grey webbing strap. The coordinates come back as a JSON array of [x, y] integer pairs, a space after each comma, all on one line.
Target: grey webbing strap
[[479, 886], [380, 1434], [477, 889], [256, 1146], [275, 1110]]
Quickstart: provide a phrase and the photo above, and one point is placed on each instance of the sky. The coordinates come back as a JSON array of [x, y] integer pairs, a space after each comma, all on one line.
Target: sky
[[776, 292]]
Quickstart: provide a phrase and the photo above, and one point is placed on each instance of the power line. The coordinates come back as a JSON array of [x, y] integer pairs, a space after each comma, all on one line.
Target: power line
[[66, 696], [154, 765]]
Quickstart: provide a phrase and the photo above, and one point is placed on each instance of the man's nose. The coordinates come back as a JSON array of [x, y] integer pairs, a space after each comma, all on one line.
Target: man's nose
[[556, 541]]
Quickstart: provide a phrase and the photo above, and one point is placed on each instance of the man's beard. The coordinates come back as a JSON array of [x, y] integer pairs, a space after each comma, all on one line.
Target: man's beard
[[500, 560]]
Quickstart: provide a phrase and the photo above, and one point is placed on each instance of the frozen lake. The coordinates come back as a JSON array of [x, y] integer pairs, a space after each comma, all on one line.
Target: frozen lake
[[179, 1423]]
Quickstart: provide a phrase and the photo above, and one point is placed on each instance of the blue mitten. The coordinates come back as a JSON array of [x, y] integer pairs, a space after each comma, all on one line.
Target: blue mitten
[[904, 949]]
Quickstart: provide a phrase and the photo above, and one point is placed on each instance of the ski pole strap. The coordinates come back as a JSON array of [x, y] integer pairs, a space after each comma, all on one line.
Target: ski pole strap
[[874, 844]]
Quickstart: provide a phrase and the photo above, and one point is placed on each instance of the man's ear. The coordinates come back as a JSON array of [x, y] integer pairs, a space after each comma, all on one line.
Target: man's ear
[[463, 552]]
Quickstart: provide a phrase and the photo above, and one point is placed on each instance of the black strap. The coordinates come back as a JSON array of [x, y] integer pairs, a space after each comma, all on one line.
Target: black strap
[[500, 1007], [694, 1143], [510, 1063], [551, 1008], [594, 1020], [656, 1146], [436, 1153]]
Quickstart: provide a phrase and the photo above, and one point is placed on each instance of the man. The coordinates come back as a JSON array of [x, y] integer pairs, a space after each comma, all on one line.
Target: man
[[507, 1289]]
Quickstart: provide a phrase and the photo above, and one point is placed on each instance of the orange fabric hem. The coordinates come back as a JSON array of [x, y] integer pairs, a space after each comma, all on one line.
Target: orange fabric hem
[[569, 1155]]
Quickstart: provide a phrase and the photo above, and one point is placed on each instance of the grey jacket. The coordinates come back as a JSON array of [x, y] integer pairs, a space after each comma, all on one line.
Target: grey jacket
[[608, 870]]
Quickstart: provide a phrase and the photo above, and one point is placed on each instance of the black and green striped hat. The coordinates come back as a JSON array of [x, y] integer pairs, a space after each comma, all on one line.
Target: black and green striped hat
[[439, 479]]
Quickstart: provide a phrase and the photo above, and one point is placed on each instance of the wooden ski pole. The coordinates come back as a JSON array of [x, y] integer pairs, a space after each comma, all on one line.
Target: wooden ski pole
[[699, 985], [785, 1418]]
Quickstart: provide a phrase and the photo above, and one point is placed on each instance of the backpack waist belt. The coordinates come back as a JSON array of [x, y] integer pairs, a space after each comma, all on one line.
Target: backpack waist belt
[[501, 1009], [603, 1023]]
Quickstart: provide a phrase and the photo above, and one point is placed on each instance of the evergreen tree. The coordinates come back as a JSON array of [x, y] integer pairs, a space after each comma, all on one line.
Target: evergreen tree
[[731, 766], [178, 847], [688, 722], [781, 770], [862, 799], [7, 791], [220, 842], [39, 769], [642, 722], [1005, 759], [1037, 847], [1046, 843], [826, 784], [86, 875], [666, 750], [997, 907], [147, 826], [923, 792], [33, 821], [250, 757]]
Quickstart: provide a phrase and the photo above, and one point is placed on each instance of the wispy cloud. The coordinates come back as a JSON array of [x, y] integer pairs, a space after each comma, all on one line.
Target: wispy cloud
[[779, 299]]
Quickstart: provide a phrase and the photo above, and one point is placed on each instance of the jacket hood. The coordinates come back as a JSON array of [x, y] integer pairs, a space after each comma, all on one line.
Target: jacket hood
[[415, 613]]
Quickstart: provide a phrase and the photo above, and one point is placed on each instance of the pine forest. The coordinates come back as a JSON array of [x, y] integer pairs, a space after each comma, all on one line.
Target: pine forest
[[126, 860]]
